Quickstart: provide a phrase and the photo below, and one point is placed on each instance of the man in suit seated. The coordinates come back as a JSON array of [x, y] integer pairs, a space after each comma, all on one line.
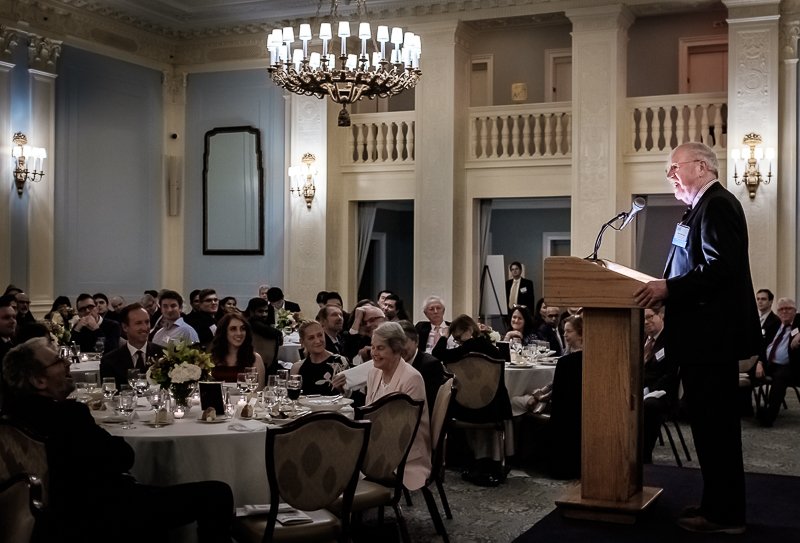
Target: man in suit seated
[[332, 320], [89, 468], [548, 330], [171, 328], [277, 302], [780, 361], [266, 338], [204, 318], [660, 381], [519, 291], [136, 352], [91, 328], [435, 327], [24, 315]]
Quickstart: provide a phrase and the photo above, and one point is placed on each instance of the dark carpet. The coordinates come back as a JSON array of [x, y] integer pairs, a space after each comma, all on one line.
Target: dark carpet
[[773, 513]]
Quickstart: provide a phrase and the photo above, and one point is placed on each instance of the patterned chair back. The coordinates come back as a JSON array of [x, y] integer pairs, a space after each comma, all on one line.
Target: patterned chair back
[[21, 452], [478, 379], [313, 460], [395, 420]]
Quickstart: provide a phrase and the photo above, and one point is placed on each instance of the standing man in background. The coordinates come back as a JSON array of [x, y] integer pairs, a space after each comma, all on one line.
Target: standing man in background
[[519, 291], [707, 276]]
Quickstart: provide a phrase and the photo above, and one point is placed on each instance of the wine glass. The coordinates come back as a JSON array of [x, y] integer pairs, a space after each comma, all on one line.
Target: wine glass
[[271, 393], [280, 385], [91, 381], [126, 404], [252, 379], [140, 384], [109, 387], [241, 382], [293, 387], [133, 373], [100, 344], [515, 344]]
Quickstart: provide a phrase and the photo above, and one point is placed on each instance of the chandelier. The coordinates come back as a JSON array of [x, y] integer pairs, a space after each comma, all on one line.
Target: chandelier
[[354, 76]]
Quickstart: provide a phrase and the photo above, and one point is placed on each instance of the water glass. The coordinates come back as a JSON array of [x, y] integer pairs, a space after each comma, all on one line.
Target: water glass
[[109, 387], [241, 382], [141, 385], [91, 380], [280, 385], [100, 345], [252, 379], [126, 405], [294, 385], [133, 373]]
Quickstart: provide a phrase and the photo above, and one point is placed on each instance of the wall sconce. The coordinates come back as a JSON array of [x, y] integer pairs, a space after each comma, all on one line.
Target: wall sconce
[[749, 157], [303, 179], [28, 161]]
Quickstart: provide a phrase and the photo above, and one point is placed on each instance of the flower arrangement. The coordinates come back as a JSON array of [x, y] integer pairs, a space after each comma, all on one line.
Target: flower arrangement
[[286, 319], [179, 369], [59, 333], [491, 335]]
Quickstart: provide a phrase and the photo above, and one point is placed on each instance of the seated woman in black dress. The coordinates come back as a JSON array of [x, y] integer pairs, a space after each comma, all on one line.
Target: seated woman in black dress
[[320, 365], [232, 350], [465, 338]]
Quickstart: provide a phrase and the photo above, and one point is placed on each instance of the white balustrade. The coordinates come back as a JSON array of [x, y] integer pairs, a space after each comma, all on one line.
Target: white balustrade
[[381, 138], [661, 123], [520, 131]]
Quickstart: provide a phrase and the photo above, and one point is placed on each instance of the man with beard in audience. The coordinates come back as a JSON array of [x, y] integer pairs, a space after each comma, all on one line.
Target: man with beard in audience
[[92, 332], [24, 315], [332, 320]]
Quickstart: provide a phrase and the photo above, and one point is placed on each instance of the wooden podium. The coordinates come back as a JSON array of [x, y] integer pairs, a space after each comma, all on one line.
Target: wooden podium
[[611, 462]]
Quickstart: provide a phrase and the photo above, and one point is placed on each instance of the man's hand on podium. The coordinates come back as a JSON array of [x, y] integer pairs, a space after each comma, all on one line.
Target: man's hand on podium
[[652, 293]]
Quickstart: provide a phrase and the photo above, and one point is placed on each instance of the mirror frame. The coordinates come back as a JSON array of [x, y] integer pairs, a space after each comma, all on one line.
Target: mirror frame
[[260, 169]]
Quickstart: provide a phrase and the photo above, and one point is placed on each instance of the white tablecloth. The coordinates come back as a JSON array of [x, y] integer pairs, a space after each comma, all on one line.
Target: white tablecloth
[[80, 370], [189, 451], [289, 352], [524, 380]]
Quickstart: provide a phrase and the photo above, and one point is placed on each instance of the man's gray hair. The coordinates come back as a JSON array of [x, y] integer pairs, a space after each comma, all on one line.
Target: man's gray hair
[[21, 364], [701, 151], [432, 299], [394, 336], [786, 301]]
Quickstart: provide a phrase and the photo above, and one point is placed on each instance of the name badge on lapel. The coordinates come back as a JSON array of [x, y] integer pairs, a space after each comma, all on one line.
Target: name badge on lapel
[[523, 289], [680, 236], [660, 355]]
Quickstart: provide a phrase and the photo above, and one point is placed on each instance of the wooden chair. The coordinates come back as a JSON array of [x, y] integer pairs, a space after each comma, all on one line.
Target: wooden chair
[[267, 348], [439, 417], [23, 483], [478, 379], [310, 463], [395, 420], [665, 427]]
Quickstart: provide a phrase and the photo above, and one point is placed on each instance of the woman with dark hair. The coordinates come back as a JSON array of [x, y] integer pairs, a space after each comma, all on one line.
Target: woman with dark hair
[[232, 350], [61, 311], [522, 326], [320, 365], [227, 305], [538, 313]]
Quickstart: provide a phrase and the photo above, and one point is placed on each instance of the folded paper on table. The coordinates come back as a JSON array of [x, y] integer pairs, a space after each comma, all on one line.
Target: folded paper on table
[[655, 394], [356, 377], [261, 509]]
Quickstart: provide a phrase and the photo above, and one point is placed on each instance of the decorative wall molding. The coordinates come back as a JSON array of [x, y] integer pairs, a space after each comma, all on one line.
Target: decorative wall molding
[[9, 39], [790, 33], [43, 53]]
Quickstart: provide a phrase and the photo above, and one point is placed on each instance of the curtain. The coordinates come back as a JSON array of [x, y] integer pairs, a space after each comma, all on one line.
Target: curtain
[[366, 221]]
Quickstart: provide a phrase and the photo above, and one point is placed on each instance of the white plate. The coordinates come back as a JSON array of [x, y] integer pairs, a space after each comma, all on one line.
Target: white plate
[[113, 419], [322, 403], [520, 365], [215, 421], [154, 425]]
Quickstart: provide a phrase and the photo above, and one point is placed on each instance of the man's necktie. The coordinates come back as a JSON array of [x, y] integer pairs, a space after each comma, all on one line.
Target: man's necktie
[[775, 344], [648, 348], [513, 295], [139, 360], [686, 214]]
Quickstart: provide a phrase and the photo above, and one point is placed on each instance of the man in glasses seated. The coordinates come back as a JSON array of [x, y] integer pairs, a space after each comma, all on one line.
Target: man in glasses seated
[[88, 467], [204, 318], [92, 332]]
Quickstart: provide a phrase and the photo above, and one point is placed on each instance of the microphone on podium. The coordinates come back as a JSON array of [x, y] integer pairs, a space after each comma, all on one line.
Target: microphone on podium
[[637, 205]]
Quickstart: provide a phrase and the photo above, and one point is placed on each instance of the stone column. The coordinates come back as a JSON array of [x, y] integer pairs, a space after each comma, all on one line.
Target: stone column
[[304, 274], [441, 106], [43, 54], [753, 66], [8, 42], [173, 170], [599, 75], [788, 257]]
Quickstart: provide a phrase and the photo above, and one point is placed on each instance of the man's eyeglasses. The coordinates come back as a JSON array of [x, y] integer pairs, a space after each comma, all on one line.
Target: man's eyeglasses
[[59, 360], [86, 308], [675, 165]]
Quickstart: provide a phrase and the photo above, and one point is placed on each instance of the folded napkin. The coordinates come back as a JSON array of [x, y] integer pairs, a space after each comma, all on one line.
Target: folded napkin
[[244, 427], [262, 509], [655, 394]]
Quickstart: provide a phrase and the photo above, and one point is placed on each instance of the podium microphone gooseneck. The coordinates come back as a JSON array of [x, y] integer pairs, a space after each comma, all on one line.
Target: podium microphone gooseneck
[[637, 205]]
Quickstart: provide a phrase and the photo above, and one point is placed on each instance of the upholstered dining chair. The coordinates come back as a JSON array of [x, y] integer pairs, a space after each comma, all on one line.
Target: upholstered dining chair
[[439, 417], [23, 483], [478, 380], [395, 420], [310, 462]]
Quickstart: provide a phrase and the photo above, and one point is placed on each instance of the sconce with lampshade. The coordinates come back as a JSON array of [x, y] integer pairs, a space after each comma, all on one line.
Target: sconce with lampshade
[[302, 179], [28, 162], [749, 160]]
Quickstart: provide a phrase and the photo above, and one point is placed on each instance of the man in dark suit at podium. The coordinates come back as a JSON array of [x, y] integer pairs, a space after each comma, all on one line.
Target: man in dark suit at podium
[[707, 277], [519, 291]]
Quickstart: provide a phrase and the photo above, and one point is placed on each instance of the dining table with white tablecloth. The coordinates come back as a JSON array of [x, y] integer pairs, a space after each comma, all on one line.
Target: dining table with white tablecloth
[[524, 379]]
